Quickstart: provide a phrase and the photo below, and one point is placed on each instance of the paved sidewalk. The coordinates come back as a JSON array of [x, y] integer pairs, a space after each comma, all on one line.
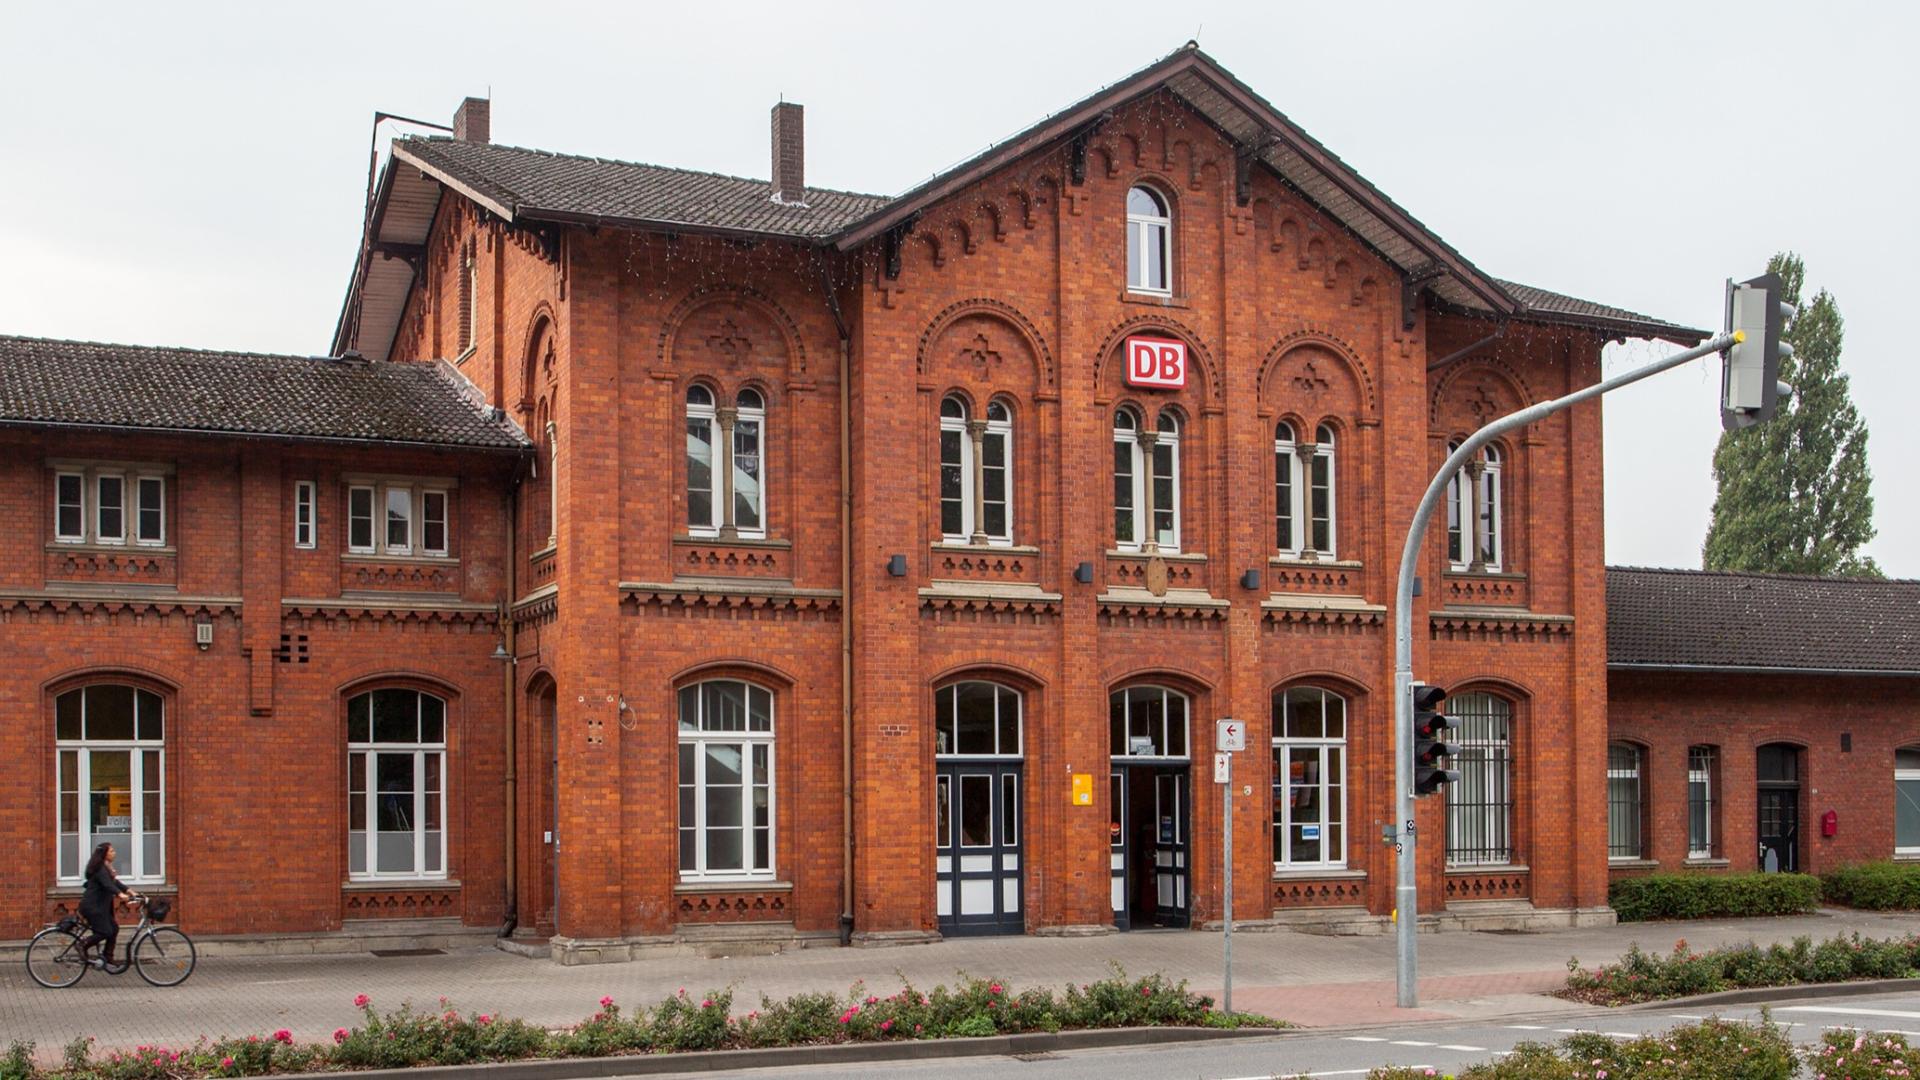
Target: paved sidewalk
[[1306, 978]]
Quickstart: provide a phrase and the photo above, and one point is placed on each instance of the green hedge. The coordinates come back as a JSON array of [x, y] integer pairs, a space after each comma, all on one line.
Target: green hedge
[[1645, 976], [1711, 896], [1875, 886]]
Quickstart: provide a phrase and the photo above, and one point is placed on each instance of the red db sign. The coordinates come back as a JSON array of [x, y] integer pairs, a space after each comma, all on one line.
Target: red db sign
[[1157, 362]]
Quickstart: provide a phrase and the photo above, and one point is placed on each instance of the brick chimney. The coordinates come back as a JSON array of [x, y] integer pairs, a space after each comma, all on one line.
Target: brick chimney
[[472, 121], [789, 153]]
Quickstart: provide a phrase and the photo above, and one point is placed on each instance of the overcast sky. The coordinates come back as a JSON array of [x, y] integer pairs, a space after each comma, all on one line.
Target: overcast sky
[[193, 174]]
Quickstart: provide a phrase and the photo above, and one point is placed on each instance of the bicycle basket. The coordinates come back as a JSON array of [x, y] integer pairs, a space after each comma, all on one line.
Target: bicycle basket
[[68, 923], [157, 909]]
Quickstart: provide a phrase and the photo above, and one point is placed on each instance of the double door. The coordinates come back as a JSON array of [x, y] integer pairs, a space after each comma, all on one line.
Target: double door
[[976, 828], [1148, 850]]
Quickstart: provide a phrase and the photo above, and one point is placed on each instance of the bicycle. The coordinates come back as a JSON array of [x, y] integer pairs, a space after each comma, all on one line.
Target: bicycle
[[163, 955]]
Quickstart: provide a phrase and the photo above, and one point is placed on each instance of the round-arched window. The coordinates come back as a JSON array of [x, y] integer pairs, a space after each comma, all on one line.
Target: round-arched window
[[1149, 241], [110, 746], [396, 784]]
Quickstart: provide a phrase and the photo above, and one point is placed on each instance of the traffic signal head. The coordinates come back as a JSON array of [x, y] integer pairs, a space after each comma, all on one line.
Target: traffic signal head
[[1430, 748], [1750, 386]]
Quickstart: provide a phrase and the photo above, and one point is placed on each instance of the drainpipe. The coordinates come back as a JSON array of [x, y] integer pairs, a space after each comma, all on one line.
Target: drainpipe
[[846, 619], [509, 680], [1499, 332]]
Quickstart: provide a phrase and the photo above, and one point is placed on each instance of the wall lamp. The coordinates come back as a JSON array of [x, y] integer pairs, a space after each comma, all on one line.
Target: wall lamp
[[1083, 573], [897, 565], [1250, 580]]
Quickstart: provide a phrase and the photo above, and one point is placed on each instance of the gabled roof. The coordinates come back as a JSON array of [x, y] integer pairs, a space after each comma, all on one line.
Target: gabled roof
[[85, 384], [532, 186], [1704, 620]]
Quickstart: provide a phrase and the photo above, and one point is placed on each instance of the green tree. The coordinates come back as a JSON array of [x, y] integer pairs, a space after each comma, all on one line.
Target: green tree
[[1794, 492]]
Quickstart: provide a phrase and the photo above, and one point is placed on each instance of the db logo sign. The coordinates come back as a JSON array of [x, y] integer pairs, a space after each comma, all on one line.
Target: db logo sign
[[1156, 362]]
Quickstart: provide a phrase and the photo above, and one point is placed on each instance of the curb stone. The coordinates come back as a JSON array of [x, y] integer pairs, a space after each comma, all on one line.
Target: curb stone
[[1778, 993], [786, 1056]]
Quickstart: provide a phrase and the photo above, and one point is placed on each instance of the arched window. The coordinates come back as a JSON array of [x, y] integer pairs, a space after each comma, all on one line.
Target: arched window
[[1624, 839], [976, 474], [1127, 533], [1166, 483], [1146, 482], [1149, 242], [726, 482], [726, 781], [1480, 805], [1474, 519], [1303, 482], [111, 779], [1702, 786], [977, 719], [396, 785], [1906, 800], [1309, 778], [1147, 721]]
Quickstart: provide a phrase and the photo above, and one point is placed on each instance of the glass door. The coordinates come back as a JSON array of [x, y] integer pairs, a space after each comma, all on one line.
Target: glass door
[[976, 825]]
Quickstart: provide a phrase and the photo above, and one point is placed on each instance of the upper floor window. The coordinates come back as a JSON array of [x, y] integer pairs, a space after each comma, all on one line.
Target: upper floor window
[[1309, 778], [1303, 492], [113, 504], [1480, 805], [400, 519], [396, 784], [1146, 482], [110, 779], [726, 780], [976, 474], [303, 513], [1149, 241], [1147, 721], [1624, 840], [1702, 767], [726, 481], [1474, 519]]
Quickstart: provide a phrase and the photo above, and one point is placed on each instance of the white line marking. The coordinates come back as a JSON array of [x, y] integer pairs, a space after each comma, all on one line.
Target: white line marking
[[1621, 1034], [1685, 1016], [1333, 1072], [1410, 1042], [1364, 1038], [1463, 1049], [1845, 1011], [1526, 1027]]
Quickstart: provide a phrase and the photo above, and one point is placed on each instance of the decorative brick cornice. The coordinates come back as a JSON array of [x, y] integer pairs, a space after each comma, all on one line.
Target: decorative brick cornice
[[1179, 607], [728, 599], [394, 612], [956, 601], [28, 602], [537, 607], [1516, 627], [1339, 618]]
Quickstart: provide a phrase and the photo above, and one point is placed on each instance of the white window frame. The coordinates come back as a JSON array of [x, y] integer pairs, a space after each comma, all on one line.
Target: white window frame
[[370, 750], [706, 413], [1284, 744], [427, 496], [1701, 763], [946, 718], [1286, 469], [1323, 453], [406, 502], [140, 482], [1130, 439], [1900, 776], [415, 494], [755, 415], [747, 740], [1170, 440], [957, 427], [1462, 511], [305, 521], [1142, 230], [371, 517], [100, 536], [1168, 697], [1000, 429], [131, 866], [1635, 773], [1145, 467], [79, 506]]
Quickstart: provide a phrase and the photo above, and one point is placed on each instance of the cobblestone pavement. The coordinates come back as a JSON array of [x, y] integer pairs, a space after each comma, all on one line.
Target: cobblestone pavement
[[1310, 979]]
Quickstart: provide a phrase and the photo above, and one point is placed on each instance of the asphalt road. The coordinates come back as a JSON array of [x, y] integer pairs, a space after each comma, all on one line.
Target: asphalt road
[[1444, 1046]]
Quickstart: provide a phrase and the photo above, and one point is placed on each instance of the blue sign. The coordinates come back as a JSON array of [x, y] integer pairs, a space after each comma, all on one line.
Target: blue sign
[[1309, 832]]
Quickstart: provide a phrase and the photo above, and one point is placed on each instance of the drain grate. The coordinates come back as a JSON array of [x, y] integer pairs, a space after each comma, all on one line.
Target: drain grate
[[408, 952]]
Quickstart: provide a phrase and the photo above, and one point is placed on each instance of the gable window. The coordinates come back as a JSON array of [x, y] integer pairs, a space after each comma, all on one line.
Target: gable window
[[396, 785], [1309, 778], [399, 519], [1624, 840], [1906, 800], [726, 781], [1303, 492], [726, 483], [1480, 805], [303, 508], [1147, 721], [1149, 241], [1702, 763], [976, 474], [111, 779], [1146, 482], [1474, 517], [110, 505]]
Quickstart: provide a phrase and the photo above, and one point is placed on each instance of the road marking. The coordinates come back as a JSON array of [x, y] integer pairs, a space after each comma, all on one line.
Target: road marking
[[1684, 1016], [1332, 1072], [1410, 1042], [1843, 1011], [1526, 1027], [1363, 1038], [1590, 1031], [1870, 1031], [1463, 1049]]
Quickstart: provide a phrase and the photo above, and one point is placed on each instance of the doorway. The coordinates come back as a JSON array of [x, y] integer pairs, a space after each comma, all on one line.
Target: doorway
[[976, 828], [1778, 772], [1148, 826]]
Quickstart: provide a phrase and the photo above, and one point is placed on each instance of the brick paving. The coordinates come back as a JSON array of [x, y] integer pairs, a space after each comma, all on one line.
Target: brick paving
[[1306, 978]]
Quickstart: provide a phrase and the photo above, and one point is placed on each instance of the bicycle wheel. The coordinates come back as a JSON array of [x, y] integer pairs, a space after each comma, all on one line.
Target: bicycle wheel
[[53, 958], [164, 956]]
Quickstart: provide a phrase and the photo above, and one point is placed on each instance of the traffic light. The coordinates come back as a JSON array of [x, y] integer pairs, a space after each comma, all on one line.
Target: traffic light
[[1429, 740], [1750, 386]]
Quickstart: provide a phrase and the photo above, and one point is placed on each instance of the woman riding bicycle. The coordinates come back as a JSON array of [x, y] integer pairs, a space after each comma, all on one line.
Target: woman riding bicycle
[[103, 887]]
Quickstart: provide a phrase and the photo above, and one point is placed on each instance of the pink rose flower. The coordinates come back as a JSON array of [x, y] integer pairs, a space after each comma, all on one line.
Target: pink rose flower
[[360, 1001], [607, 1002], [339, 1035], [483, 1018], [226, 1063], [283, 1035]]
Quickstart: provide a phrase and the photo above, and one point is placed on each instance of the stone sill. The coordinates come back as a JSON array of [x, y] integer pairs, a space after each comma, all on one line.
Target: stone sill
[[1309, 564], [1155, 299], [1170, 556], [737, 541], [371, 558], [1706, 864], [987, 548], [547, 552], [1484, 575], [130, 547], [743, 885], [388, 884], [1331, 873], [1633, 864], [160, 888], [1488, 868]]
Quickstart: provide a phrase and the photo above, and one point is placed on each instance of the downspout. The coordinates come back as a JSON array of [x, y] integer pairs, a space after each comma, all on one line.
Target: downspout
[[1499, 331], [846, 619], [509, 682]]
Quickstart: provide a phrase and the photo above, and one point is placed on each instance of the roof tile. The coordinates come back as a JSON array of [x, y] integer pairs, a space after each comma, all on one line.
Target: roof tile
[[1714, 619]]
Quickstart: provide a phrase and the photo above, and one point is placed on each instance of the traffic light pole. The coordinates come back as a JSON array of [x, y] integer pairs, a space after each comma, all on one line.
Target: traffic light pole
[[1406, 892]]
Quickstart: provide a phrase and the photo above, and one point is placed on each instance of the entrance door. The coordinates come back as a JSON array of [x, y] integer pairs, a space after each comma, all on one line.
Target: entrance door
[[976, 828], [1778, 769], [1148, 845]]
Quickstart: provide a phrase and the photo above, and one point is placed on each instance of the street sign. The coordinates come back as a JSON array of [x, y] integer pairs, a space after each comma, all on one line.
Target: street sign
[[1231, 735], [1223, 768]]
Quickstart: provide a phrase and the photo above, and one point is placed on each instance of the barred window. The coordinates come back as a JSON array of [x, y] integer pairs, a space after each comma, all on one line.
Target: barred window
[[1623, 801], [1480, 805], [1701, 762]]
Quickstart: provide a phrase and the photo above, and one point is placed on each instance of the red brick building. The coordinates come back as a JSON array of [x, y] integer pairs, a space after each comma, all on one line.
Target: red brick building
[[857, 566]]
